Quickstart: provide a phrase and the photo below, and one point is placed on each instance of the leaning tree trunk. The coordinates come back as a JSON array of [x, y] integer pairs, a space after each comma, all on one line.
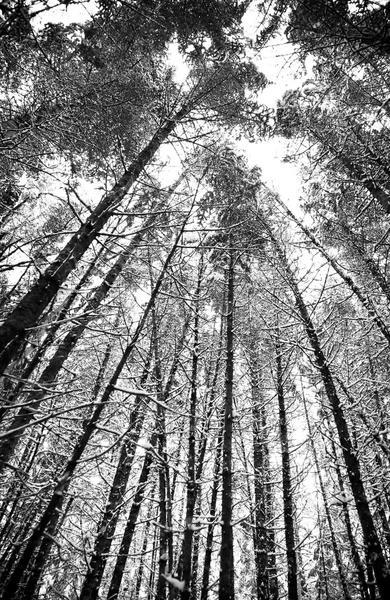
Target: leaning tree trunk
[[357, 291], [11, 590], [49, 339], [119, 569], [336, 550], [141, 568], [109, 520], [50, 373], [26, 314], [356, 172], [375, 554], [347, 519]]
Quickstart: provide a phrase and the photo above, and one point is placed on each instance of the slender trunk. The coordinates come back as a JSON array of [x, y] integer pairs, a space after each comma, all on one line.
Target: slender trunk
[[165, 522], [226, 575], [31, 585], [108, 523], [260, 535], [196, 546], [323, 583], [31, 307], [335, 546], [153, 569], [191, 474], [356, 172], [212, 513], [141, 567], [288, 507], [65, 479], [365, 300], [49, 339], [119, 569], [347, 520], [375, 554], [109, 519], [50, 373], [15, 491]]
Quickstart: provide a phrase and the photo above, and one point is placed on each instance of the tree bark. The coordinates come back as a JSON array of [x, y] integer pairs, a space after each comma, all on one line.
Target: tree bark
[[375, 554], [288, 506], [212, 512], [336, 551], [226, 576], [191, 474], [11, 590], [32, 305]]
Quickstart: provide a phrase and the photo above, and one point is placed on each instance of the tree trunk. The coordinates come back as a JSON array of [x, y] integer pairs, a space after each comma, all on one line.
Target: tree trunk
[[31, 307], [49, 339], [260, 534], [365, 300], [119, 569], [226, 576], [65, 480], [108, 523], [288, 506], [347, 520], [375, 554], [335, 546], [50, 373], [212, 513], [109, 519], [191, 474]]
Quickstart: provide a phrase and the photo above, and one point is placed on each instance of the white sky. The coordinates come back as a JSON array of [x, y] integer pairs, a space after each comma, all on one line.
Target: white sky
[[279, 67], [278, 63]]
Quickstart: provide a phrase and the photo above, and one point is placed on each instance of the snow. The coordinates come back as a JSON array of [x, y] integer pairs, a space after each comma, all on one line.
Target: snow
[[134, 391], [175, 582], [145, 444]]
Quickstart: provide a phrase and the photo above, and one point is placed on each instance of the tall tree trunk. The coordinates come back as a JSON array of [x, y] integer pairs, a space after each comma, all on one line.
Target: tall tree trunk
[[356, 172], [347, 520], [31, 586], [288, 505], [109, 520], [49, 339], [141, 567], [212, 513], [336, 551], [191, 474], [375, 554], [260, 534], [226, 575], [362, 297], [119, 569], [64, 481], [33, 304], [50, 373]]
